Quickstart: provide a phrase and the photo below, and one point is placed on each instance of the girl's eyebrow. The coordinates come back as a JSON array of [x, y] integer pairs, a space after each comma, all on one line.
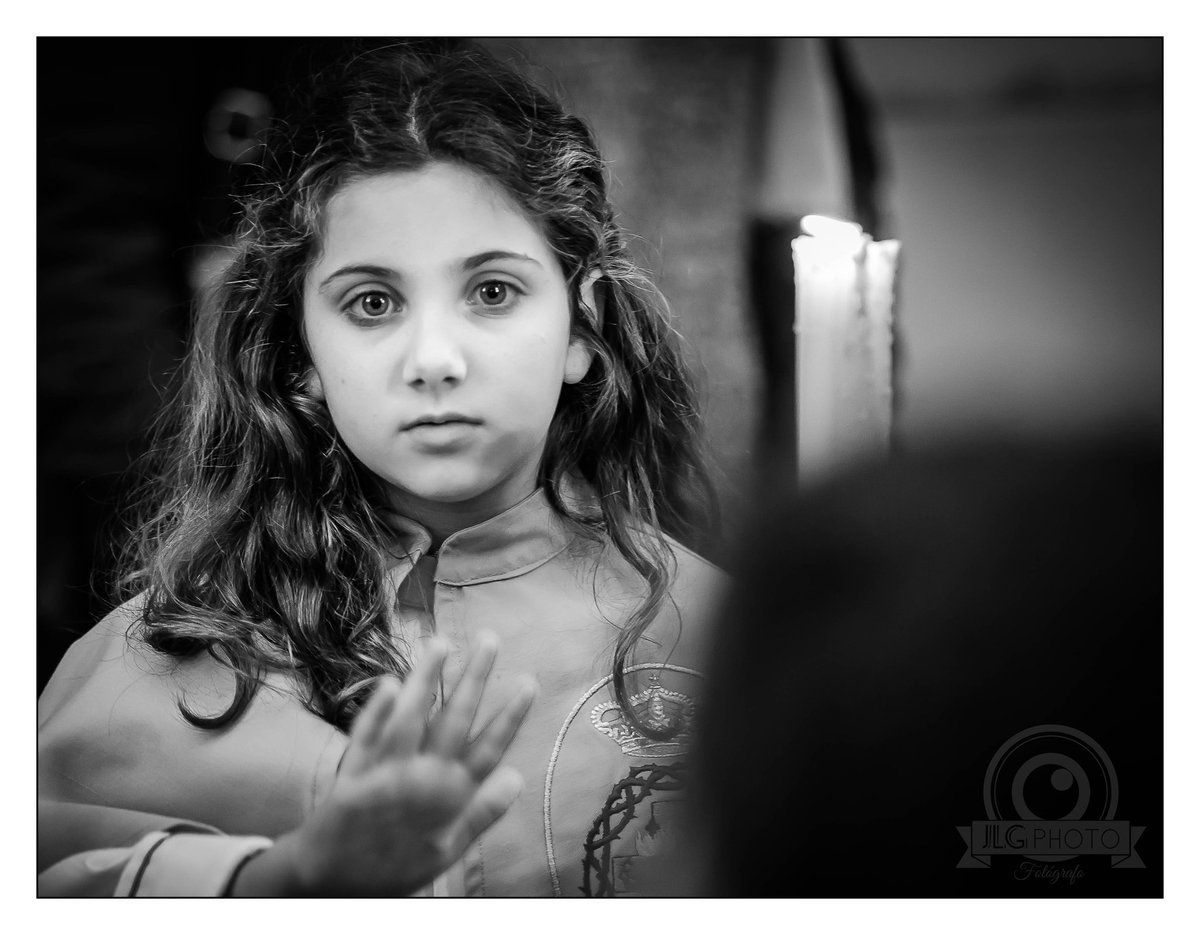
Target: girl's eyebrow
[[381, 272], [487, 257]]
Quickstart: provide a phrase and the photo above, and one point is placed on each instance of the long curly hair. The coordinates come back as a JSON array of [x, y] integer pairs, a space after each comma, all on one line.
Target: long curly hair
[[259, 538]]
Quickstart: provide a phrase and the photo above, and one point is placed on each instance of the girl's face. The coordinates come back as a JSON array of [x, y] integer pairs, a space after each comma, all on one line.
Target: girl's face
[[438, 322]]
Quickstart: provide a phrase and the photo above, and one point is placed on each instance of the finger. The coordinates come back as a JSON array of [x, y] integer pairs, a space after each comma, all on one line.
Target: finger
[[449, 730], [487, 806], [487, 748], [369, 725], [405, 726], [374, 714]]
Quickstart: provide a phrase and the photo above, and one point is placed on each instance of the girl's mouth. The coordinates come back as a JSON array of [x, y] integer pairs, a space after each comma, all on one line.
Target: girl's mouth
[[438, 420], [441, 434]]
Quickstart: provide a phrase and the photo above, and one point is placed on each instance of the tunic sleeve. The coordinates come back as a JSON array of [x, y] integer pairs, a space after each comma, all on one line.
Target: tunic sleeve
[[161, 863]]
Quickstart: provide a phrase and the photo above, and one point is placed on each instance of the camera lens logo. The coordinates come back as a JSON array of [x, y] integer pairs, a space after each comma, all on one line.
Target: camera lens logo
[[1050, 794], [1050, 773]]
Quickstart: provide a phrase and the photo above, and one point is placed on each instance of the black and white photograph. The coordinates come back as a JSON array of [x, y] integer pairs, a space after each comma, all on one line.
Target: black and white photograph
[[686, 468]]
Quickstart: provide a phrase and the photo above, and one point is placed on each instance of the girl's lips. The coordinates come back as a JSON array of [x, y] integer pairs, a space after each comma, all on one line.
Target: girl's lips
[[436, 435], [435, 421]]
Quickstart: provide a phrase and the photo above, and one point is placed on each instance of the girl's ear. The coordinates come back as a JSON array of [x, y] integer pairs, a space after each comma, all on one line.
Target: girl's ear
[[313, 384], [579, 354]]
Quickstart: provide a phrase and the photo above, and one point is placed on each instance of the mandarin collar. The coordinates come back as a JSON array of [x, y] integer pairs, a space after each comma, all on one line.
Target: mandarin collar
[[511, 543]]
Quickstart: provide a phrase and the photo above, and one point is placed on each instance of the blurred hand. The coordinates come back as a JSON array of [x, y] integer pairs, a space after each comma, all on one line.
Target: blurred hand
[[412, 791]]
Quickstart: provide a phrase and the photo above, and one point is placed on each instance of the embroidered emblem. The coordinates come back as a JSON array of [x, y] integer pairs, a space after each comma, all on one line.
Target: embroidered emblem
[[658, 707], [612, 867], [548, 788]]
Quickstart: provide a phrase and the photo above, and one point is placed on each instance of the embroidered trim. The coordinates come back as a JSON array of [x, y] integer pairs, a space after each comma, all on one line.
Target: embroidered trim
[[558, 742]]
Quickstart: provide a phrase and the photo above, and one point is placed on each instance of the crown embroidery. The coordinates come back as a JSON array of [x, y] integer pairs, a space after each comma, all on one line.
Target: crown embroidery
[[657, 707]]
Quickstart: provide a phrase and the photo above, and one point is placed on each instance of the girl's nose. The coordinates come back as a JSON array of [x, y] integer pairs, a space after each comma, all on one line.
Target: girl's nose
[[433, 355]]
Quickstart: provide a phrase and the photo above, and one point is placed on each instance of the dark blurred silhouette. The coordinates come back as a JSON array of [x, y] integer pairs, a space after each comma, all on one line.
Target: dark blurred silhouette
[[887, 636]]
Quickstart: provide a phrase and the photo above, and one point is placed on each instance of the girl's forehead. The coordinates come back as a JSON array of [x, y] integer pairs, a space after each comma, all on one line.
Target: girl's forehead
[[439, 211]]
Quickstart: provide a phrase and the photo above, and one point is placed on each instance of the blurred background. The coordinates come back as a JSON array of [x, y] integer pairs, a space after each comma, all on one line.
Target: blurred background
[[1022, 176]]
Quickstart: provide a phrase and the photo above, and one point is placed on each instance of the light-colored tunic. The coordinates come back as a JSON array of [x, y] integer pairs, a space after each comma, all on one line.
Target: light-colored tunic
[[117, 763]]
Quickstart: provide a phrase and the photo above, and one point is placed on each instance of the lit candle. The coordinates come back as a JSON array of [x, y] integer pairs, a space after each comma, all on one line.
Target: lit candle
[[844, 294]]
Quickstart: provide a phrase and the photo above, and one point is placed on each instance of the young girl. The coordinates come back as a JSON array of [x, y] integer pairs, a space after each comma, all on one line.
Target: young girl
[[434, 410]]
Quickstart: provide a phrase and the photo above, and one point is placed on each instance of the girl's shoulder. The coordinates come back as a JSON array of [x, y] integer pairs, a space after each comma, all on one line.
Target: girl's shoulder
[[109, 646], [111, 732], [114, 659], [114, 655], [693, 578], [696, 591], [696, 568], [698, 582]]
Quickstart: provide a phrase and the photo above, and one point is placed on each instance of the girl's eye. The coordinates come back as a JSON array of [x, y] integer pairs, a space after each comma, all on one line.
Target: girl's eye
[[494, 292], [373, 304]]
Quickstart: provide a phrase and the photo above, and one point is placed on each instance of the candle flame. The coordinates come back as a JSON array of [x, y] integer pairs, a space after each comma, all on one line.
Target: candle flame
[[837, 233]]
